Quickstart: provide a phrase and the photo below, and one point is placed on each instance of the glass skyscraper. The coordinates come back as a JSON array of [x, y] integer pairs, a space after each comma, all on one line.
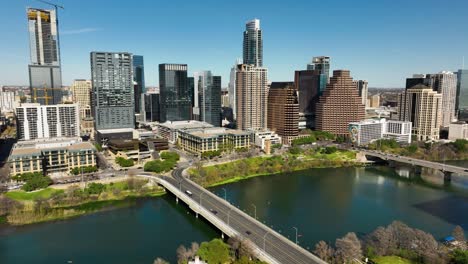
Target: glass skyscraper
[[139, 80], [462, 95], [175, 95], [253, 43], [209, 97]]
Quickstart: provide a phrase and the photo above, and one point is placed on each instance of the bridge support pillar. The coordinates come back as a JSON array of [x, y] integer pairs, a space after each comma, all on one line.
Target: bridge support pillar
[[447, 176], [177, 200], [222, 235], [196, 214]]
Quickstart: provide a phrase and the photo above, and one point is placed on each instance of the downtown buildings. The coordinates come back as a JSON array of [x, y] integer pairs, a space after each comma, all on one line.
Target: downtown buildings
[[366, 131], [253, 44], [207, 98], [461, 105], [139, 81], [283, 111], [175, 95]]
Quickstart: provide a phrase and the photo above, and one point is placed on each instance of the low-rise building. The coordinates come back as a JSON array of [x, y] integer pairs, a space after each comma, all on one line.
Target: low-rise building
[[458, 130], [170, 129], [52, 157], [364, 132], [142, 134], [265, 138], [201, 140]]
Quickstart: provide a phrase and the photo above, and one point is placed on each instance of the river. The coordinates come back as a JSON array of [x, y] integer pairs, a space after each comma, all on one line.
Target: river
[[322, 203]]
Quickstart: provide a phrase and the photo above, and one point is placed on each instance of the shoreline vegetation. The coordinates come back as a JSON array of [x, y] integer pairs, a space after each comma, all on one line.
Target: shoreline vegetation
[[21, 208]]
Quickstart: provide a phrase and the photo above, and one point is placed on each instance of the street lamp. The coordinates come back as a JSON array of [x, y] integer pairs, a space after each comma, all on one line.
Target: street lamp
[[228, 215], [296, 234], [201, 194], [255, 207], [225, 193], [264, 237]]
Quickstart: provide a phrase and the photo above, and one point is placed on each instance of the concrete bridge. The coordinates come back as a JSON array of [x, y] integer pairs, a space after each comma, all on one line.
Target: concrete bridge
[[448, 170], [268, 245]]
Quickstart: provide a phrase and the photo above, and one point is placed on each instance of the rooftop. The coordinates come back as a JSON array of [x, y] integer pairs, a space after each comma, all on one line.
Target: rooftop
[[186, 124]]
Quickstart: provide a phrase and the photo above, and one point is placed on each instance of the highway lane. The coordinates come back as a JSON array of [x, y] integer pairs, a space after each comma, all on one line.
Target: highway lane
[[280, 248]]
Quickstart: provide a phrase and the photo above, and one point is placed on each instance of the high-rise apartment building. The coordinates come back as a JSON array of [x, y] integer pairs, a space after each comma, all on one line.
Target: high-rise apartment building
[[139, 80], [150, 107], [253, 43], [45, 77], [363, 88], [461, 104], [251, 97], [422, 106], [232, 87], [445, 83], [81, 90], [175, 95], [209, 97], [113, 98], [283, 110], [309, 84], [35, 121], [339, 105]]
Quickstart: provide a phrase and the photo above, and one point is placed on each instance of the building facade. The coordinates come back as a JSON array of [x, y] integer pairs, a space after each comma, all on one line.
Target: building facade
[[283, 111], [251, 97], [113, 91], [170, 129], [232, 87], [150, 107], [458, 130], [461, 104], [175, 95], [310, 85], [364, 132], [36, 121], [321, 64], [253, 43], [139, 81], [209, 97], [421, 106], [45, 77], [363, 88], [445, 83], [339, 105], [81, 90], [7, 101]]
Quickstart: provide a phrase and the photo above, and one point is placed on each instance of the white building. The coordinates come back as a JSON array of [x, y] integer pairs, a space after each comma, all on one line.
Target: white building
[[262, 136], [364, 132], [37, 121], [458, 131], [170, 129], [7, 101]]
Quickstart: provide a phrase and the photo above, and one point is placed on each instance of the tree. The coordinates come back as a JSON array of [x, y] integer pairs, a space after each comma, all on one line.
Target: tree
[[160, 261], [7, 205], [381, 242], [123, 162], [324, 251], [182, 254], [214, 252], [348, 248], [169, 155], [95, 188], [459, 256], [458, 233], [412, 148]]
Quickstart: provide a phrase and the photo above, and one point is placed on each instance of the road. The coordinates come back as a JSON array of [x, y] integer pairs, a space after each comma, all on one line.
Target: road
[[277, 246]]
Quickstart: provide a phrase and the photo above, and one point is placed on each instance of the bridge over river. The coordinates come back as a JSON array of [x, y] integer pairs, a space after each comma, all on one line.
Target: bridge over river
[[268, 245]]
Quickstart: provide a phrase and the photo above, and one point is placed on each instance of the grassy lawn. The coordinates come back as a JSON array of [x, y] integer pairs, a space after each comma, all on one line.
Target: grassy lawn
[[391, 260], [28, 196]]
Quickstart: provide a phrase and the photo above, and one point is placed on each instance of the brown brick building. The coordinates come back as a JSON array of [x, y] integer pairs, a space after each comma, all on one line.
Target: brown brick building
[[283, 110], [339, 105]]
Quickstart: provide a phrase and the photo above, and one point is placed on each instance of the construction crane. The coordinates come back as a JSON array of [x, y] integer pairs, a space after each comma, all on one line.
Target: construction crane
[[46, 97]]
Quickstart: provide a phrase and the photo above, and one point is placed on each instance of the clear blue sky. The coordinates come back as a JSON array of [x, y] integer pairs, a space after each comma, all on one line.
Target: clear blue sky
[[382, 41]]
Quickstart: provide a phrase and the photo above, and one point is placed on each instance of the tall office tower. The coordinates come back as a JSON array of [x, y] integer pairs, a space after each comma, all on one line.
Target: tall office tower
[[363, 88], [310, 85], [35, 121], [113, 100], [139, 80], [339, 105], [175, 101], [322, 64], [150, 107], [45, 77], [462, 95], [232, 87], [445, 83], [253, 43], [209, 97], [251, 97], [422, 106], [418, 79], [283, 110], [81, 90]]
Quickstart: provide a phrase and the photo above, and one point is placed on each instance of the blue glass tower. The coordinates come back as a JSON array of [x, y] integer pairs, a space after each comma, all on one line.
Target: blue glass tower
[[139, 80]]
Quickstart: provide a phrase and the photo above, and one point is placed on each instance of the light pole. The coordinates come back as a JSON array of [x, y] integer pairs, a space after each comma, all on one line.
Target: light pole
[[296, 233], [264, 237], [255, 207], [228, 215], [225, 193], [201, 197]]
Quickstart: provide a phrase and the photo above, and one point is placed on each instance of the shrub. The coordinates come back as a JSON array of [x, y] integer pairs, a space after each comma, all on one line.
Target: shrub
[[211, 154], [124, 162], [330, 150], [87, 169], [303, 141], [95, 188], [168, 155], [33, 181], [158, 166], [295, 150]]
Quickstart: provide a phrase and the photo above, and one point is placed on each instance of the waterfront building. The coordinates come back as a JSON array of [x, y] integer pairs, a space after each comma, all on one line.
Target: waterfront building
[[458, 130], [35, 121], [461, 104], [113, 92], [170, 129], [199, 140], [45, 77], [363, 88], [138, 81], [52, 156], [366, 131], [309, 85], [339, 105], [251, 97], [175, 95], [265, 139], [422, 107], [283, 111], [150, 107], [253, 44]]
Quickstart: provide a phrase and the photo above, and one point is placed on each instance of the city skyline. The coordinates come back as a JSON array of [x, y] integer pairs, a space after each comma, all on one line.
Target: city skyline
[[359, 46]]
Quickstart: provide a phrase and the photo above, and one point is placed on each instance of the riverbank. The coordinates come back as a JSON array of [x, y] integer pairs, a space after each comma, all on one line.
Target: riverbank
[[21, 208], [296, 159]]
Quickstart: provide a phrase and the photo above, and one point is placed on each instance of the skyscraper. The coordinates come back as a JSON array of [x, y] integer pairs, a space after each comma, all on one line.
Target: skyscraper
[[139, 80], [113, 98], [363, 88], [253, 43], [45, 77], [251, 97], [321, 64], [462, 95], [175, 95], [422, 106], [309, 84], [209, 97], [150, 107], [339, 105], [81, 90], [283, 110], [445, 83]]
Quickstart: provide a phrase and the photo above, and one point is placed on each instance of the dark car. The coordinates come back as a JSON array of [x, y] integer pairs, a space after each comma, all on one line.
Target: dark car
[[213, 211], [248, 232]]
